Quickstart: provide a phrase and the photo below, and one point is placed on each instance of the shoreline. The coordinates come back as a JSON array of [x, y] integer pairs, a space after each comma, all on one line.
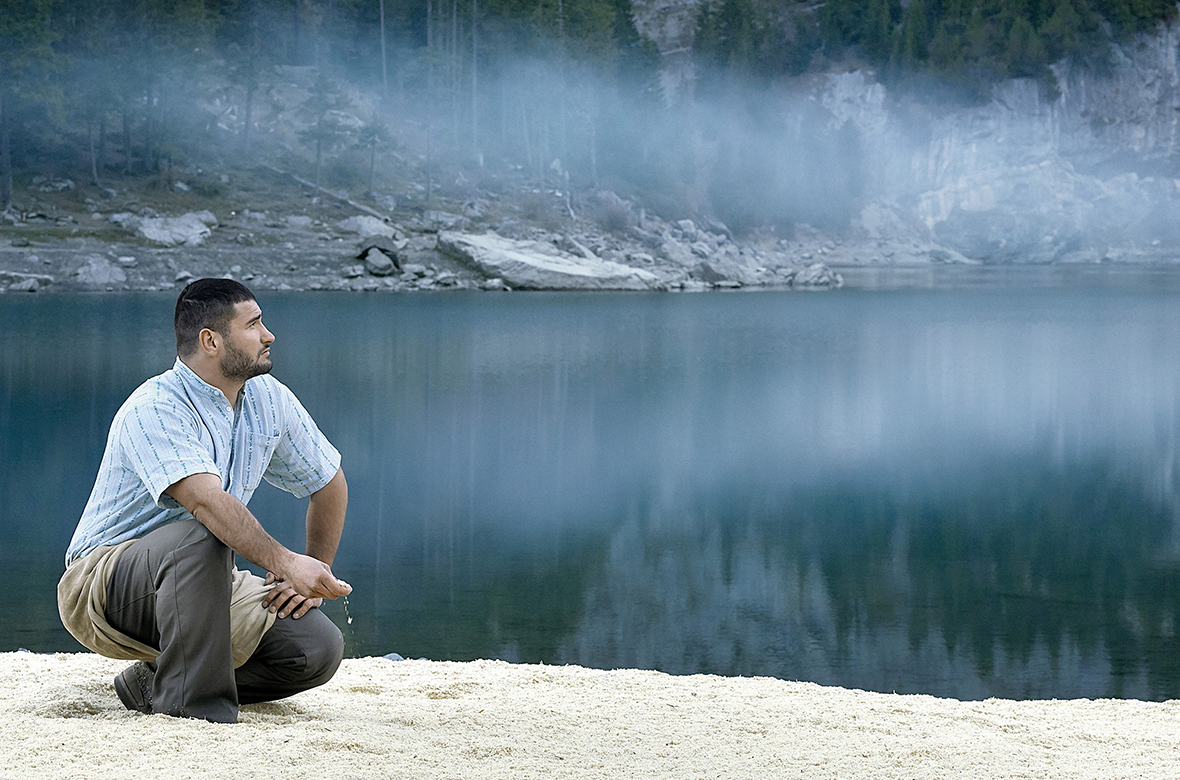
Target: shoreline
[[491, 719]]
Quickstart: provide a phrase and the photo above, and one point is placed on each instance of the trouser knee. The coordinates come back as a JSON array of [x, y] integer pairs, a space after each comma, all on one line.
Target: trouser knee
[[324, 656]]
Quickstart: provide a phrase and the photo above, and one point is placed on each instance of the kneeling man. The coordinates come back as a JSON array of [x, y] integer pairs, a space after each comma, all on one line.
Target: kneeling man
[[150, 572]]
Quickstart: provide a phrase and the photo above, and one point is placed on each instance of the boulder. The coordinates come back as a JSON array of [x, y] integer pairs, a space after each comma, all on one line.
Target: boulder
[[22, 282], [28, 285], [378, 262], [536, 265], [299, 221], [99, 272], [366, 226], [189, 229], [816, 275]]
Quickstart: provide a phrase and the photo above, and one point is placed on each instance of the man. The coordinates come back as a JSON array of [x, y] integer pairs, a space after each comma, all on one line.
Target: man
[[150, 570]]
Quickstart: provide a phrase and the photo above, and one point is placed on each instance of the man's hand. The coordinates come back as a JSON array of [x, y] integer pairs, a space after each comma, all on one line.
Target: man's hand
[[285, 601]]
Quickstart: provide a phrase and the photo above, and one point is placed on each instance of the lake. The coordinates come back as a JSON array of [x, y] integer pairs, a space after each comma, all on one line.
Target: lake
[[966, 491]]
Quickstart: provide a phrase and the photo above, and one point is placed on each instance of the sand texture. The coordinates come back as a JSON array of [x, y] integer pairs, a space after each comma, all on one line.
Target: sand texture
[[59, 717]]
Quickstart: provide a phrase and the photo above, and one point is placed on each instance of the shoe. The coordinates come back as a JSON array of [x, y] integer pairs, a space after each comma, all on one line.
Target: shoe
[[134, 686]]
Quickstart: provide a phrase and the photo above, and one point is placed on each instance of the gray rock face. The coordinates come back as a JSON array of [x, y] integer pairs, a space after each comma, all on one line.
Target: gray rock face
[[365, 226], [189, 229], [534, 265], [99, 272]]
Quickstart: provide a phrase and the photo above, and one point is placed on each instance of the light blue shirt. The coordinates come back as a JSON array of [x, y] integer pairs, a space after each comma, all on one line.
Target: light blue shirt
[[175, 425]]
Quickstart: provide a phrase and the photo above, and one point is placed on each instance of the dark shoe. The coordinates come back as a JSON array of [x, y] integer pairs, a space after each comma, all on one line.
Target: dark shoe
[[134, 686]]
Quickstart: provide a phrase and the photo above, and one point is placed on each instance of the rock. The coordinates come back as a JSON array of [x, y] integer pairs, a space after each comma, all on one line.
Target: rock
[[701, 249], [706, 273], [541, 266], [127, 262], [181, 187], [99, 272], [393, 657], [189, 229], [21, 242], [387, 202], [816, 275], [353, 271], [183, 277], [414, 269], [108, 193], [365, 226], [377, 262], [495, 285], [299, 221], [727, 284], [443, 219], [52, 185], [28, 285], [688, 229]]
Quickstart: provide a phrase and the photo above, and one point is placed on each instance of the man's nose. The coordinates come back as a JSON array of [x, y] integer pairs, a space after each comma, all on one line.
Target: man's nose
[[267, 336]]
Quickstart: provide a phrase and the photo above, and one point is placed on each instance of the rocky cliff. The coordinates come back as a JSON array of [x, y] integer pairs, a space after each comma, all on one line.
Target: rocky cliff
[[1083, 171]]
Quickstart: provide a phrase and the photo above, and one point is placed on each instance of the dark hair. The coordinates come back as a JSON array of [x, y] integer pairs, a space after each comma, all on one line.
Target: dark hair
[[206, 303]]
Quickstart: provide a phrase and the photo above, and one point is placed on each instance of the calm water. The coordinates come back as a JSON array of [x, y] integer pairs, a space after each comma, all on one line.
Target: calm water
[[966, 492]]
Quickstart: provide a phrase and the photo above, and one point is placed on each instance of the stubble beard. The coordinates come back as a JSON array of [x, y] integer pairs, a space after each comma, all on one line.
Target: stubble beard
[[239, 366]]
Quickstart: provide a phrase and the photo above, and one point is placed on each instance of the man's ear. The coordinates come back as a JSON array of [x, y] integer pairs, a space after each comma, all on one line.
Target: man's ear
[[208, 340]]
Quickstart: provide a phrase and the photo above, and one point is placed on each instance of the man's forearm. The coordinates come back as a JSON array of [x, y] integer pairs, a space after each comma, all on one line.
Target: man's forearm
[[325, 518], [231, 522]]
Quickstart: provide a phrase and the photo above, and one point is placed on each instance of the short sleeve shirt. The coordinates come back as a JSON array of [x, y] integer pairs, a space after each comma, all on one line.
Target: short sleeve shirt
[[176, 425]]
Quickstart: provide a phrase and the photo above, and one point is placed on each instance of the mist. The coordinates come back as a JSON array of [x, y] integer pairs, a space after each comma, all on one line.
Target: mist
[[554, 113]]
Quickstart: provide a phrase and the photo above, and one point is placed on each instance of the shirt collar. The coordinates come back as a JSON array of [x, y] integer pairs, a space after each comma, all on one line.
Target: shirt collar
[[195, 383]]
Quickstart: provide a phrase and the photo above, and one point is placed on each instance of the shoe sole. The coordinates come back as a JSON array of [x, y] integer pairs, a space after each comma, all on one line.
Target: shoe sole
[[127, 685]]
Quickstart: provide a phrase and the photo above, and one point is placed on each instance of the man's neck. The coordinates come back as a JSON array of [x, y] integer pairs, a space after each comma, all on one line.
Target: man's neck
[[210, 373]]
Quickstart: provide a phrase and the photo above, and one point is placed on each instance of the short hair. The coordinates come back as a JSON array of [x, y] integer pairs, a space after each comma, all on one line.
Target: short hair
[[206, 303]]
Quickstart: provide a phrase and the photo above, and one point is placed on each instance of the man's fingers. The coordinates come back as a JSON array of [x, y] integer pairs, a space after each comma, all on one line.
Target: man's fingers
[[306, 607]]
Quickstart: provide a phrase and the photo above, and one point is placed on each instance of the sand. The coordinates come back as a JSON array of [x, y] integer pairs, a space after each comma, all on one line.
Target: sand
[[59, 717]]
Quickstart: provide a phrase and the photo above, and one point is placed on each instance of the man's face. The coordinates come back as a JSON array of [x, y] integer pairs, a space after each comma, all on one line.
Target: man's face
[[247, 344]]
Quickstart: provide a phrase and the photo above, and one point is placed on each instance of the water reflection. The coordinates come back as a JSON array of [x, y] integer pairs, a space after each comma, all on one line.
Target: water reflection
[[966, 493]]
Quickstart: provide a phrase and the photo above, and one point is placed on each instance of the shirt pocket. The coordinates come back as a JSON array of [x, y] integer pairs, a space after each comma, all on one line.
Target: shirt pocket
[[255, 457]]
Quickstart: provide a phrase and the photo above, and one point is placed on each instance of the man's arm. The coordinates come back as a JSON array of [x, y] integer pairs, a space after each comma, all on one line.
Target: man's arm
[[325, 522], [325, 518], [231, 522]]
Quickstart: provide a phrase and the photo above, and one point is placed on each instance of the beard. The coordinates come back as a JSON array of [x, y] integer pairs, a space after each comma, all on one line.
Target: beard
[[239, 366]]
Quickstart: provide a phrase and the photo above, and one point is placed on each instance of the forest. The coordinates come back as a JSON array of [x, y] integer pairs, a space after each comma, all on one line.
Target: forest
[[564, 88]]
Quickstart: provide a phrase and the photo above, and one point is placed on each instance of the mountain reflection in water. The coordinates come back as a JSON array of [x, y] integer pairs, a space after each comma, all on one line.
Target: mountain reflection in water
[[967, 493]]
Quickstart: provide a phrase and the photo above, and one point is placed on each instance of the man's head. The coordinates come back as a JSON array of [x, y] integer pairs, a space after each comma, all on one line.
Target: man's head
[[220, 317]]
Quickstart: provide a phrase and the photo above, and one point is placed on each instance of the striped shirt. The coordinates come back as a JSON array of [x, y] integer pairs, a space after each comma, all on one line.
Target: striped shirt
[[175, 425]]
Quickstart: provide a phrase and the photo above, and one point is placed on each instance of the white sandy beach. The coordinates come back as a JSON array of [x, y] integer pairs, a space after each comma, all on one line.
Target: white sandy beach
[[59, 717]]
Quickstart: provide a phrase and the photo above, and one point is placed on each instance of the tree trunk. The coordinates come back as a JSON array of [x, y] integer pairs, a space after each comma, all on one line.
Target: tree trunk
[[474, 81], [102, 139], [126, 140], [455, 73], [149, 156], [5, 155], [561, 97], [384, 69], [251, 84], [93, 151], [524, 123], [319, 158], [429, 52], [372, 165]]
